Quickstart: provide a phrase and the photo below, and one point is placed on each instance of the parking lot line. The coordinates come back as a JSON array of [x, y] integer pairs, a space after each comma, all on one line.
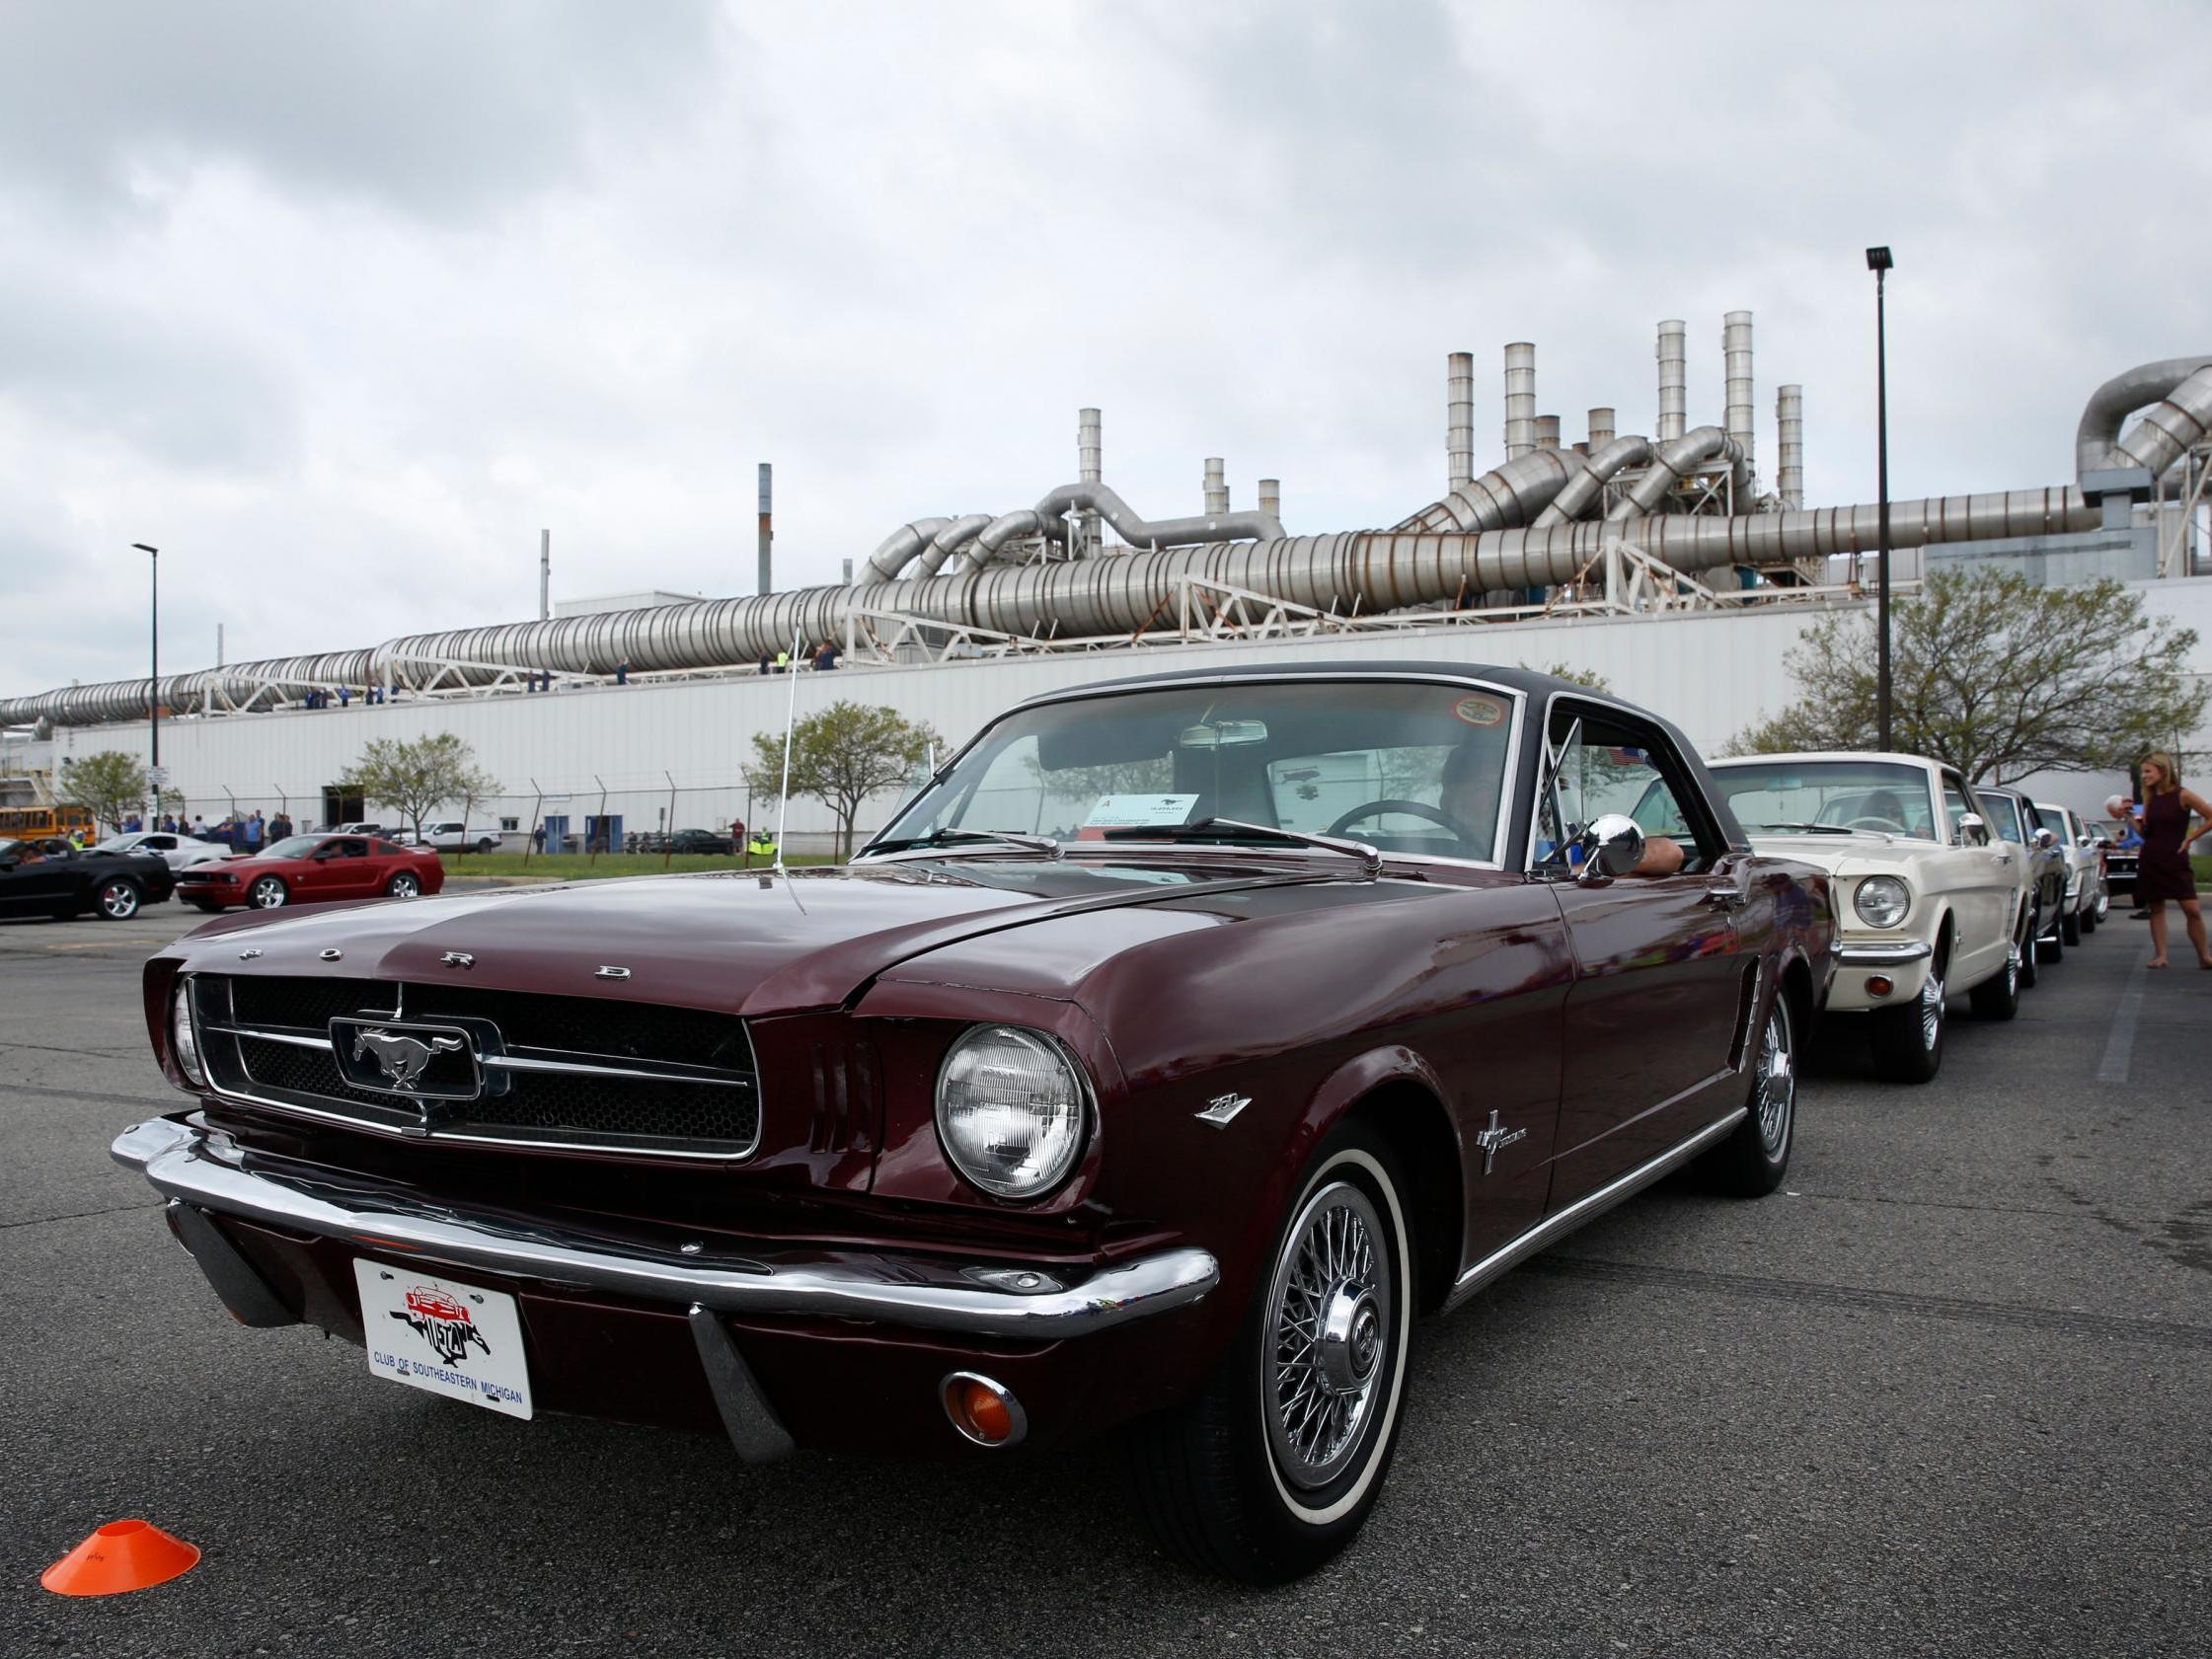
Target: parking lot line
[[2119, 1048]]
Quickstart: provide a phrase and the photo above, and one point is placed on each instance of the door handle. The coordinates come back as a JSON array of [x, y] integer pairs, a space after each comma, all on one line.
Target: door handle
[[2004, 858], [1727, 898]]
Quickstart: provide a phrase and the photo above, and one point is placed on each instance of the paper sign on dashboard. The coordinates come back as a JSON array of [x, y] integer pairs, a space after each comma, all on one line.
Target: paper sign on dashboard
[[1132, 811]]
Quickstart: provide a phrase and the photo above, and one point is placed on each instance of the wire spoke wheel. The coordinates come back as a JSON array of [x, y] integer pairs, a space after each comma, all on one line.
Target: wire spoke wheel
[[1332, 1302], [1932, 1008], [1778, 1080]]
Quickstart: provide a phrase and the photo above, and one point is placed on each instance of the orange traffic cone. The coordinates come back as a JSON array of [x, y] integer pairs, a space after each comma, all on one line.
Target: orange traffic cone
[[122, 1556]]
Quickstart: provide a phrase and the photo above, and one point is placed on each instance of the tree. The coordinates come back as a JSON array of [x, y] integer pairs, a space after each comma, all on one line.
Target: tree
[[841, 756], [1995, 675], [106, 784], [1589, 678], [419, 776]]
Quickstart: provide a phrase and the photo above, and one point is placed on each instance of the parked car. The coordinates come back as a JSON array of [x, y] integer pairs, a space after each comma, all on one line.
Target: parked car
[[2046, 868], [313, 868], [2086, 899], [175, 851], [453, 836], [698, 841], [355, 829], [2119, 861], [43, 876], [1158, 1062], [1931, 902]]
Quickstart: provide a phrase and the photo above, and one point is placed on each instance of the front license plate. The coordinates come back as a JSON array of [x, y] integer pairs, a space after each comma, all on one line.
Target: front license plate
[[445, 1336]]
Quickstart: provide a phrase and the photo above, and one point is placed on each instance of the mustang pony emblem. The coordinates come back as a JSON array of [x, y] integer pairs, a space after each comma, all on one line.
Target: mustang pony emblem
[[440, 1320], [403, 1060]]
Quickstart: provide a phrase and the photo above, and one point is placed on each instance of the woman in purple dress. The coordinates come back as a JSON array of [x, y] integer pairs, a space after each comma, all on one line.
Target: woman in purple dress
[[2164, 872]]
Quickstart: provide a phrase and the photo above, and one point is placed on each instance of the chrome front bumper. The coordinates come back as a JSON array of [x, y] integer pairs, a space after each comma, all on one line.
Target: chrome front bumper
[[1896, 954], [204, 1173]]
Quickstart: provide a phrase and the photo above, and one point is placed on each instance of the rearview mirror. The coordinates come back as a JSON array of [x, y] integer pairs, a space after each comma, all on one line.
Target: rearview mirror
[[1223, 734], [1611, 846]]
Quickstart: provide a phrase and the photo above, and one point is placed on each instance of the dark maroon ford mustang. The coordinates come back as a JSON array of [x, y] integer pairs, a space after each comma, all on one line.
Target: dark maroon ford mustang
[[1174, 1048]]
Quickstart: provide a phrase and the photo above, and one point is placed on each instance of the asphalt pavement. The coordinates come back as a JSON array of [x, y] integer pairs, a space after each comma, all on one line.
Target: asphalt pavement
[[1949, 1394]]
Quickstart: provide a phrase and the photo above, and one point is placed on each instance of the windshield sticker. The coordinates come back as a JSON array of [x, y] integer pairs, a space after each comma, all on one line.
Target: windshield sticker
[[1480, 710], [1134, 812]]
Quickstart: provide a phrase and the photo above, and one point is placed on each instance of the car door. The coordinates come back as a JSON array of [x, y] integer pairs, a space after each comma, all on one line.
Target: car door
[[1653, 1019], [1991, 879], [45, 875]]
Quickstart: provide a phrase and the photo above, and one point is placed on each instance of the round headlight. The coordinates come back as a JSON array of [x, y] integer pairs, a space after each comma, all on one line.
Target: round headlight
[[1881, 901], [1010, 1111], [184, 1041]]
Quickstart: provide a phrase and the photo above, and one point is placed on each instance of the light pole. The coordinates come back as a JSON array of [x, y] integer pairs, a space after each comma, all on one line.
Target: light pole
[[153, 685], [1880, 263]]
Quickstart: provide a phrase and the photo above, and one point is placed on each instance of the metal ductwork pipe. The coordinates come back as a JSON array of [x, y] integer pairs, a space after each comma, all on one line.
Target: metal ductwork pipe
[[1789, 438], [1738, 417], [1367, 571], [1603, 429], [1007, 527], [2179, 393], [1458, 420], [1576, 498], [1520, 399], [1270, 497], [1514, 493], [1670, 462], [1546, 431], [1216, 486], [1674, 380], [1089, 446], [951, 540], [901, 548], [1146, 533]]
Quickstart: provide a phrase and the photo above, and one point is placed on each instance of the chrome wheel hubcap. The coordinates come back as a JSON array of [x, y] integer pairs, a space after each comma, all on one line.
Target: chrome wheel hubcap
[[1931, 1009], [117, 902], [1332, 1300], [268, 895], [1778, 1083]]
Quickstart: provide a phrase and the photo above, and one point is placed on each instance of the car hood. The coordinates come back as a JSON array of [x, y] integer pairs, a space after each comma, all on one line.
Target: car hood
[[1857, 852], [745, 943]]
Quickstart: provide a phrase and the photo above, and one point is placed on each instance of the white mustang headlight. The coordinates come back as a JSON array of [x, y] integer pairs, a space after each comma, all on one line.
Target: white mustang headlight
[[1882, 901], [1011, 1110], [184, 1041]]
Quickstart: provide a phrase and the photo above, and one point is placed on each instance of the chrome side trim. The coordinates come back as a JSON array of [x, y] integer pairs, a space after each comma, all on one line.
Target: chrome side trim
[[1885, 955], [207, 1171], [298, 1040], [675, 1074], [1552, 1229]]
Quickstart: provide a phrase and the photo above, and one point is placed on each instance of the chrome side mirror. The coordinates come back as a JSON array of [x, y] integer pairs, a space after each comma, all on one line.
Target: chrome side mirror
[[1611, 846], [2084, 842], [1972, 832], [2045, 839]]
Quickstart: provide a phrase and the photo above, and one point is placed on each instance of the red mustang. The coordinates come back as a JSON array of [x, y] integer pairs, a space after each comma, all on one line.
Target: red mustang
[[309, 868], [1174, 1046]]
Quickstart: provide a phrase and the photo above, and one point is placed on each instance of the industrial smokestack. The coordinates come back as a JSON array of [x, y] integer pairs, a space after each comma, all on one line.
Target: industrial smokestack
[[1459, 420], [1520, 399], [767, 526], [544, 576], [1790, 429], [1741, 419], [1674, 379], [218, 645], [1602, 429], [848, 573], [1087, 446], [1217, 488], [1546, 431], [1271, 496]]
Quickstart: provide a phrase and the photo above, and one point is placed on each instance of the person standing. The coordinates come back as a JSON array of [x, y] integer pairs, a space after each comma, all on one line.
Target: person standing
[[253, 829], [2162, 872]]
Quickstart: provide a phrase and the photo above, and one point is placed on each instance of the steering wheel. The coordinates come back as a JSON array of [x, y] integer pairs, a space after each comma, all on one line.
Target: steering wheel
[[1417, 808], [1887, 826]]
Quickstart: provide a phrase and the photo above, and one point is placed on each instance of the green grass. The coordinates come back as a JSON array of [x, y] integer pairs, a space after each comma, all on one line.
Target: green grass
[[557, 866]]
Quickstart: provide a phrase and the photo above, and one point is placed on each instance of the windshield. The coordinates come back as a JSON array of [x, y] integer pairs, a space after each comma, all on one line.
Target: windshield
[[293, 847], [1825, 797], [117, 844], [1409, 767]]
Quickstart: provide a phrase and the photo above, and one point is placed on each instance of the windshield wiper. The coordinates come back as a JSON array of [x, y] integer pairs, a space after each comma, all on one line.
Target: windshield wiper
[[945, 837], [1234, 829], [1814, 829]]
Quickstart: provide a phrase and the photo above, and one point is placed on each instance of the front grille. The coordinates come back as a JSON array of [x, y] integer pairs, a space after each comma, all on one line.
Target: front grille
[[552, 1065]]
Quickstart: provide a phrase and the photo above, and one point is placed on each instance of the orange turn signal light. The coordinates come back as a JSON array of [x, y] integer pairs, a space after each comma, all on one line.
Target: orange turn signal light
[[122, 1556], [1880, 985], [983, 1410]]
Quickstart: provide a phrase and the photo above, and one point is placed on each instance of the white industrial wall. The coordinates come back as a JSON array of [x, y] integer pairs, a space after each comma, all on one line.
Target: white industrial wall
[[1711, 673]]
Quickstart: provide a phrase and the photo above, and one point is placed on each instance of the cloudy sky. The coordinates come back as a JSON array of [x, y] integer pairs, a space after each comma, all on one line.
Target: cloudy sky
[[340, 304]]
